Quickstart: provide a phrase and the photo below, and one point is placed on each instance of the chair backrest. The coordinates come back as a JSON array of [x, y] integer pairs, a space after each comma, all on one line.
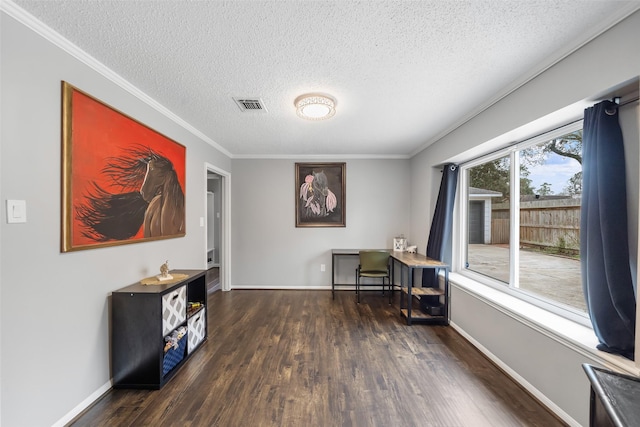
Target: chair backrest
[[374, 261]]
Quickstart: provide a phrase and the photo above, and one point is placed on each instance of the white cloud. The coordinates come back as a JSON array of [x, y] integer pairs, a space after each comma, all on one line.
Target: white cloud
[[556, 174]]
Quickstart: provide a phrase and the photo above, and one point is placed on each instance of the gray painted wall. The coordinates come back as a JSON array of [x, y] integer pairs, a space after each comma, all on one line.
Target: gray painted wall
[[55, 306], [553, 368], [269, 251]]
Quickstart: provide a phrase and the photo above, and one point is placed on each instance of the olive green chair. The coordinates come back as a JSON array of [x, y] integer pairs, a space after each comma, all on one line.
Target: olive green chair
[[374, 264]]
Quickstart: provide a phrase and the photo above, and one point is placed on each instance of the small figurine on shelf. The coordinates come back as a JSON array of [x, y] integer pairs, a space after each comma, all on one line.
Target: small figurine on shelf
[[164, 272]]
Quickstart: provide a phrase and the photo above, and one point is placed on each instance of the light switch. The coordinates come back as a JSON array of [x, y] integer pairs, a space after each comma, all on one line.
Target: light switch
[[16, 211]]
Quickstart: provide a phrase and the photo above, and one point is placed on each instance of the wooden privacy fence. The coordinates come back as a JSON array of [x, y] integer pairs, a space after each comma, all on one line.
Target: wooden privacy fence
[[552, 224]]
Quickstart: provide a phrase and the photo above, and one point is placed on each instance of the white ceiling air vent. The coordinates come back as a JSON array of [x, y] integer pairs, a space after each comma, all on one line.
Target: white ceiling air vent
[[251, 105]]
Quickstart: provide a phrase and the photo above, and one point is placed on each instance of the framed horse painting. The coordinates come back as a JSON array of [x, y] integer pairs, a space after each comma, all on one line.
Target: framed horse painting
[[122, 182], [320, 194]]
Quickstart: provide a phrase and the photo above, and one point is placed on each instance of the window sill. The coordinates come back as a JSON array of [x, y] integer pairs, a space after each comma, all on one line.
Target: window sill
[[571, 334]]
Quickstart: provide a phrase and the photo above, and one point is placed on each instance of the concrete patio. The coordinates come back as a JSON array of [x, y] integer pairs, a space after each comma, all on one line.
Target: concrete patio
[[547, 275]]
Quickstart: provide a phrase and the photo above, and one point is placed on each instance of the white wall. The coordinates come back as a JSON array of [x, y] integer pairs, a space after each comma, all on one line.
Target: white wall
[[269, 251], [549, 366], [55, 310]]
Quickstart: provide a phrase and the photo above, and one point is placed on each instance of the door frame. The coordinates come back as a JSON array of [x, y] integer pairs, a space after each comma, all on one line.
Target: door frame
[[225, 224]]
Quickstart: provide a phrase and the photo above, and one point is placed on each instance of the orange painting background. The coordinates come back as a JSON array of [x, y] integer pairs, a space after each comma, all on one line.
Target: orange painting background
[[99, 132]]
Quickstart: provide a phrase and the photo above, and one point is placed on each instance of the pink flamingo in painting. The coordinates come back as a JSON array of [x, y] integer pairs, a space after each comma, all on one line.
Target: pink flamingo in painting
[[318, 199]]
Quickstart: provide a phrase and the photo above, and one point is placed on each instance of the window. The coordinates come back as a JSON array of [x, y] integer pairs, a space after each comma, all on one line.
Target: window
[[522, 220], [488, 219]]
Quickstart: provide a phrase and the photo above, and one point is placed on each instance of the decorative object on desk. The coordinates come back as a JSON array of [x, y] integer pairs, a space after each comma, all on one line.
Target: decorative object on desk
[[164, 272], [154, 280], [320, 194], [412, 249], [122, 182], [399, 243]]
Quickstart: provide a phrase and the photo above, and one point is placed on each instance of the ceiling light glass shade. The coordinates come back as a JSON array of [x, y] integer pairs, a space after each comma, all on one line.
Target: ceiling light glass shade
[[314, 106]]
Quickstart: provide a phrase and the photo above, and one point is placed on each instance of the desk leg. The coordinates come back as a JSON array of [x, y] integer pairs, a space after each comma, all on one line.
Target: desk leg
[[391, 280], [446, 294], [401, 293], [333, 276], [409, 298]]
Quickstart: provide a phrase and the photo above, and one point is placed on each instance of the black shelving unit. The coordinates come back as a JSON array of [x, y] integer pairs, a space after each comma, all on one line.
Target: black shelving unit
[[142, 316]]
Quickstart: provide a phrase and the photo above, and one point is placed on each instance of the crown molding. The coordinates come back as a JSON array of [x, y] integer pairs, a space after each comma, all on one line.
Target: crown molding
[[321, 156], [560, 54], [30, 21]]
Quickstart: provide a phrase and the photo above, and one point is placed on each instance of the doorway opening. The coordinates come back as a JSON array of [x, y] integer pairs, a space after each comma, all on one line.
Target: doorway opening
[[217, 230]]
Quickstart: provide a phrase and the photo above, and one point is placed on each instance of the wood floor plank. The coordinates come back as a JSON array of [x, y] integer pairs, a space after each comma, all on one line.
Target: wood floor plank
[[301, 358]]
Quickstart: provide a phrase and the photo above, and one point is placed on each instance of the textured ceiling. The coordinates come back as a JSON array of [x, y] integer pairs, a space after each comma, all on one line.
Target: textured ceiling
[[403, 72]]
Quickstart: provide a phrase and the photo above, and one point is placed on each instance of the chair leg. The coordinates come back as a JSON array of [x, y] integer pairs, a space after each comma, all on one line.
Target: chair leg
[[358, 285]]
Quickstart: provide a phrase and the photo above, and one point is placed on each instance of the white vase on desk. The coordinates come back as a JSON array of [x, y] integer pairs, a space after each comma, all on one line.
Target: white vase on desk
[[399, 244]]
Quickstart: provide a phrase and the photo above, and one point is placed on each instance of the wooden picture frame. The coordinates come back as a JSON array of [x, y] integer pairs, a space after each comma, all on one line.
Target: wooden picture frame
[[320, 194], [122, 182]]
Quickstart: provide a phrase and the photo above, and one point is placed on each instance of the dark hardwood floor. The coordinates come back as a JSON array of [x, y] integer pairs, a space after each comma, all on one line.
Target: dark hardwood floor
[[299, 358]]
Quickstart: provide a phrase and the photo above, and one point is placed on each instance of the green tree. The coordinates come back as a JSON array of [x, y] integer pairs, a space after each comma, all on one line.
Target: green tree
[[494, 176], [569, 145], [545, 189], [525, 182], [574, 186]]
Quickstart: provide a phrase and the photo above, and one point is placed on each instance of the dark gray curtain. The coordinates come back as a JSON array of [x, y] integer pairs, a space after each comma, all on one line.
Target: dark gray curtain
[[604, 245], [439, 244]]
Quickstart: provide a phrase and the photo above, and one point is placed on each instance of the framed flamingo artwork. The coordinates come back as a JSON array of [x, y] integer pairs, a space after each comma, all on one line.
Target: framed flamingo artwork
[[320, 194], [122, 182]]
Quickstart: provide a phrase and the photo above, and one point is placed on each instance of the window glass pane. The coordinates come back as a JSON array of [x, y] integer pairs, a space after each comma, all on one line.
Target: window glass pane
[[550, 191], [488, 219]]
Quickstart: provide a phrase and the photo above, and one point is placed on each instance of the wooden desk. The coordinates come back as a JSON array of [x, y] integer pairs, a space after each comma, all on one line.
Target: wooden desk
[[413, 262], [410, 262]]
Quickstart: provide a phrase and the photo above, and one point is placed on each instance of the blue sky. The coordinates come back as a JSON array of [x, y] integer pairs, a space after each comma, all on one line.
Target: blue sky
[[556, 171]]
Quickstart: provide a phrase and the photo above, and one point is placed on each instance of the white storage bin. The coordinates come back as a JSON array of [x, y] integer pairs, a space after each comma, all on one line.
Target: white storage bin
[[196, 329], [174, 309]]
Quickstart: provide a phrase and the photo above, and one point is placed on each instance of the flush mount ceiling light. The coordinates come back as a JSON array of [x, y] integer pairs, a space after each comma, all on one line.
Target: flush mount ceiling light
[[315, 106]]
